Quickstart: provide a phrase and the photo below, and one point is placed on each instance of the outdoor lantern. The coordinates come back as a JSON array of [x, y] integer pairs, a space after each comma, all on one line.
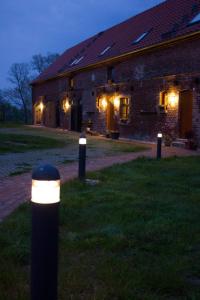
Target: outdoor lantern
[[41, 106], [66, 105], [160, 135], [116, 102], [46, 185], [44, 232], [104, 103], [173, 99]]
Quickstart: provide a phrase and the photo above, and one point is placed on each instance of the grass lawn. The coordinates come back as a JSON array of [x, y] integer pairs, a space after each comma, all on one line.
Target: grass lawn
[[135, 236], [10, 125], [23, 138], [14, 143]]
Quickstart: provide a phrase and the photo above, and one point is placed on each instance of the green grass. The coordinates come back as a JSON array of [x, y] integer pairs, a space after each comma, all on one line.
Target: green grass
[[134, 236], [96, 147], [110, 147], [22, 143], [10, 125]]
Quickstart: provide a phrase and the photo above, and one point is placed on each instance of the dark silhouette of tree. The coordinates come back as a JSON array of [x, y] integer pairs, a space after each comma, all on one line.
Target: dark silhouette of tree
[[40, 62], [18, 96], [20, 91]]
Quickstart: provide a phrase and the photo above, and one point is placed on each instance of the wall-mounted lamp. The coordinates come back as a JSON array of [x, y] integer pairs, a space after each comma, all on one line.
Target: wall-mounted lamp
[[104, 103], [116, 102], [173, 98], [41, 106], [66, 105]]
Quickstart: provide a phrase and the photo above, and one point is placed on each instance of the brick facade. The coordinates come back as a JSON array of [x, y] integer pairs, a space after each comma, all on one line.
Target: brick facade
[[141, 79]]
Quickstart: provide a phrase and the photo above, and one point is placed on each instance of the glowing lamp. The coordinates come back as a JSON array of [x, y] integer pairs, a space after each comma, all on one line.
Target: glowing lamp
[[41, 106], [44, 232], [45, 185], [82, 140], [173, 99], [159, 145], [82, 157], [66, 106], [104, 103], [116, 103]]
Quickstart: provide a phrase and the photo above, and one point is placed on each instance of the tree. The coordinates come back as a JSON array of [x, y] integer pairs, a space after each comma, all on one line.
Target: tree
[[39, 62], [2, 106], [20, 92]]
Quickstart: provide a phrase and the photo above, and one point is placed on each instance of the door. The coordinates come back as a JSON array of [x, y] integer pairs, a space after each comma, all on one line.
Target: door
[[76, 117], [185, 113], [57, 114], [38, 115], [112, 123]]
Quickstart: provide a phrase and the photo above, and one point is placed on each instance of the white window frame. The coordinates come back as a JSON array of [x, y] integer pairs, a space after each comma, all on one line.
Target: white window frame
[[76, 61], [195, 19], [140, 38]]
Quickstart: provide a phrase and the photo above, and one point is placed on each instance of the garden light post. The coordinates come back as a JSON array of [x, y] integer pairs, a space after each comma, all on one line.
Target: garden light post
[[44, 236], [82, 157], [159, 145]]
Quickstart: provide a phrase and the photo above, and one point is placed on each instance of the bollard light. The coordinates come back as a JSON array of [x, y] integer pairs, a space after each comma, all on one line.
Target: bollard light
[[82, 156], [44, 234], [45, 192], [159, 145], [82, 140]]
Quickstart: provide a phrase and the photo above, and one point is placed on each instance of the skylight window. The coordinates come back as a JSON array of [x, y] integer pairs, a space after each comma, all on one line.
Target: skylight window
[[105, 50], [141, 37], [195, 19], [76, 61]]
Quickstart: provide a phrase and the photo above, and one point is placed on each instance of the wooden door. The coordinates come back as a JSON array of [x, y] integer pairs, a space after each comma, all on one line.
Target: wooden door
[[111, 118], [185, 113], [38, 115], [76, 117]]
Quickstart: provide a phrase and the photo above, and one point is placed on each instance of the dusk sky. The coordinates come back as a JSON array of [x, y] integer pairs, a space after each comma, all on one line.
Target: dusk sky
[[29, 27]]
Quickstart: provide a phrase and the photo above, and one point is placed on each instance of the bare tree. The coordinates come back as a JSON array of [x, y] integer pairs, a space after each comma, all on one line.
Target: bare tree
[[39, 62], [20, 92], [2, 106]]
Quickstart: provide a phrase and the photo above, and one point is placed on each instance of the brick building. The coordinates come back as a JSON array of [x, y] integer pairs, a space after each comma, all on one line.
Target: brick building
[[138, 77]]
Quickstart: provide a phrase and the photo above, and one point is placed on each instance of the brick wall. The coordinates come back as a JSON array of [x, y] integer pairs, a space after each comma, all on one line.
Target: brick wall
[[140, 78]]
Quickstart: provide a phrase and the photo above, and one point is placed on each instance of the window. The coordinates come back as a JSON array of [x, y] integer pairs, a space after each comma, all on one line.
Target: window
[[139, 38], [124, 109], [76, 61], [110, 74], [71, 82], [195, 19], [93, 77], [105, 50]]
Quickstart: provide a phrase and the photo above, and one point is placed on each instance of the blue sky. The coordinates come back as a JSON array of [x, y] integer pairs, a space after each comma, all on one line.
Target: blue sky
[[29, 27]]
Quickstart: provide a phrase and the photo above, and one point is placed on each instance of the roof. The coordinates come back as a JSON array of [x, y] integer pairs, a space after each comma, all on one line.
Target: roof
[[162, 23]]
